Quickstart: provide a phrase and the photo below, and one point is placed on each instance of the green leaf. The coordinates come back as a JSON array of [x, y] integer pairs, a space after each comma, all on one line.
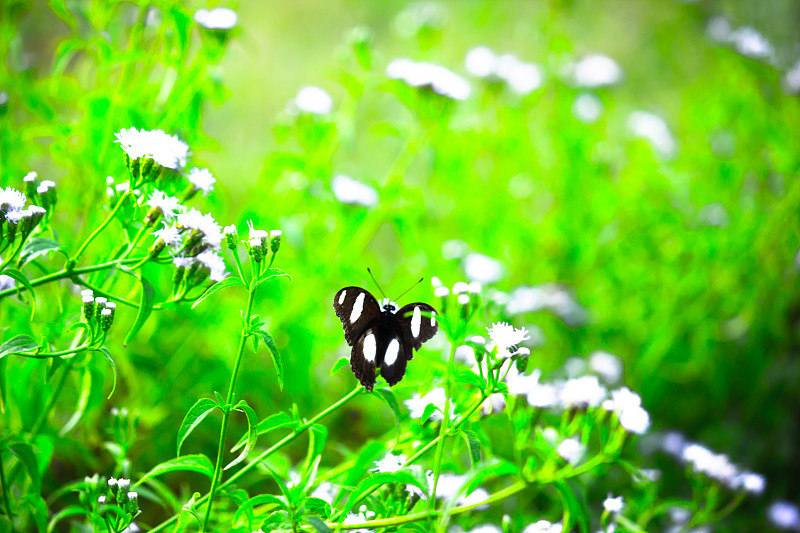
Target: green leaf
[[318, 506], [27, 456], [3, 387], [274, 353], [36, 247], [494, 468], [271, 423], [252, 433], [467, 376], [261, 499], [230, 281], [272, 273], [19, 344], [340, 363], [192, 463], [376, 480], [145, 308], [72, 510], [389, 399], [474, 446], [87, 383], [427, 413], [20, 277], [194, 416], [318, 524], [574, 509], [113, 371], [282, 486]]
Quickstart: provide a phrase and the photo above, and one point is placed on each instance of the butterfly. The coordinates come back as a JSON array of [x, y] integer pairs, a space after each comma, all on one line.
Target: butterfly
[[382, 336]]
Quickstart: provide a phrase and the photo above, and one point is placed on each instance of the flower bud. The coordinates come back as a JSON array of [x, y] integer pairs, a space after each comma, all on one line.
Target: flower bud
[[230, 236], [442, 293], [106, 318], [133, 502], [31, 181], [275, 240], [255, 250], [88, 307], [463, 301]]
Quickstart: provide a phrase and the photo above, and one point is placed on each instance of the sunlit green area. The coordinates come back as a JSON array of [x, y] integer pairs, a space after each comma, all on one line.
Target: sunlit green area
[[646, 205]]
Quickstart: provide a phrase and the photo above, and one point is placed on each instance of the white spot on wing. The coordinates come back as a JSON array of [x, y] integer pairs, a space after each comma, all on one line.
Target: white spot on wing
[[358, 307], [368, 347], [433, 320], [341, 297], [416, 322], [391, 353]]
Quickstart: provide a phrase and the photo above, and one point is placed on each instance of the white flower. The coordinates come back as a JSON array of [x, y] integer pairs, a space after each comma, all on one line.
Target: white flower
[[596, 70], [417, 404], [570, 450], [202, 179], [587, 108], [11, 199], [169, 205], [450, 484], [486, 528], [543, 526], [229, 230], [133, 528], [582, 392], [482, 268], [613, 505], [313, 100], [133, 495], [166, 150], [749, 42], [716, 466], [673, 443], [171, 235], [362, 516], [123, 483], [101, 499], [481, 62], [15, 216], [460, 287], [436, 78], [112, 482], [30, 177], [219, 18], [784, 515], [390, 464], [607, 365], [183, 262], [523, 78], [634, 419], [325, 491], [750, 482], [352, 192], [505, 337], [653, 128], [441, 292], [205, 224], [214, 263]]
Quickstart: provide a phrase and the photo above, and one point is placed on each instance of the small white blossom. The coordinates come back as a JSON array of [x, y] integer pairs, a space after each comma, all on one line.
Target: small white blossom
[[613, 505], [596, 70], [634, 420], [11, 199], [390, 463], [417, 404], [214, 263], [169, 205], [716, 466], [171, 235], [123, 483], [112, 482], [436, 78], [133, 495], [506, 337], [219, 18], [486, 528], [30, 177], [229, 230], [607, 365], [570, 450], [587, 108], [460, 287], [352, 192], [482, 268], [784, 515], [441, 292], [653, 128], [313, 100], [133, 528], [205, 224], [101, 499], [106, 312], [202, 179], [750, 482], [166, 150], [543, 526], [87, 292], [582, 392]]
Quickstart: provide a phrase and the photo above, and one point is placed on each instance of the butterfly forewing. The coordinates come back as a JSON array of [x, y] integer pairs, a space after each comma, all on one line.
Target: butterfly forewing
[[357, 309], [419, 321], [362, 358]]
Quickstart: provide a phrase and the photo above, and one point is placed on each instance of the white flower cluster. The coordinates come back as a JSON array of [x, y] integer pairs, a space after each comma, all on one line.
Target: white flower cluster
[[390, 463], [652, 128], [202, 179], [613, 505], [166, 150], [543, 526], [506, 338], [581, 392], [363, 515], [13, 210], [219, 18], [552, 297], [746, 40], [716, 466], [784, 515], [417, 404], [194, 238], [352, 192], [522, 78], [436, 78], [311, 100], [594, 71]]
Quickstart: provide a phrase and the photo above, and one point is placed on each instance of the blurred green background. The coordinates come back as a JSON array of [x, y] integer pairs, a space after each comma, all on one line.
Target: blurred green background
[[684, 263]]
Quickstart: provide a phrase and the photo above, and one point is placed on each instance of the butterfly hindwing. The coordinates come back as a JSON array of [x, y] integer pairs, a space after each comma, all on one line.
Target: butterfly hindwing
[[362, 358], [357, 309], [419, 322]]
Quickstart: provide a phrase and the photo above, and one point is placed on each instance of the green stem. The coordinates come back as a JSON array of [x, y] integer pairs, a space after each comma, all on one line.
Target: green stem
[[53, 355], [390, 522], [68, 273], [263, 455], [5, 488], [437, 462], [101, 227], [226, 412]]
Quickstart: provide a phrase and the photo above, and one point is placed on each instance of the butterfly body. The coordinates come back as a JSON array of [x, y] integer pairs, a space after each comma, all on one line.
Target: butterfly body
[[382, 336]]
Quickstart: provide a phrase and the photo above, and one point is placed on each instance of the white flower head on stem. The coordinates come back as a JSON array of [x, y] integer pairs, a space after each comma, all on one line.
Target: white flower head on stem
[[613, 505], [165, 149], [171, 235], [570, 450], [390, 463], [582, 392], [417, 404], [214, 263], [169, 205], [435, 78], [205, 224], [202, 179], [313, 100], [506, 338], [219, 18], [11, 199]]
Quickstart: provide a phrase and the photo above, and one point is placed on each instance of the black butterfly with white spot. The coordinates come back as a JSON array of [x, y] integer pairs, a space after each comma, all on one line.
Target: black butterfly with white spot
[[382, 336]]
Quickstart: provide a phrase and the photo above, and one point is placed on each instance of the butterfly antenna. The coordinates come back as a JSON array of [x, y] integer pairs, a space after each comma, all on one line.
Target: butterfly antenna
[[376, 282], [408, 289]]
